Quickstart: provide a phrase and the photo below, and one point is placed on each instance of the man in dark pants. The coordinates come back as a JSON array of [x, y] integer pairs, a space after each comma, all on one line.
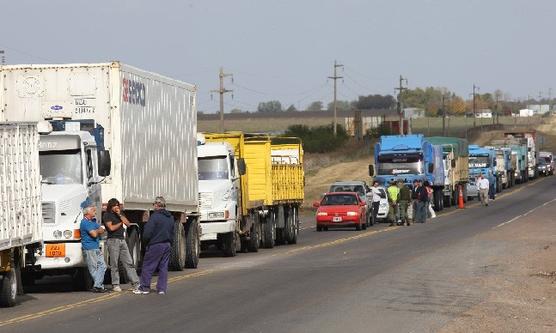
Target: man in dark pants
[[375, 199], [158, 235], [420, 198]]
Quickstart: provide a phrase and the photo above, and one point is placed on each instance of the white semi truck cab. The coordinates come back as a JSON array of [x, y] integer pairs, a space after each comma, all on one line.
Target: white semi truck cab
[[72, 166], [219, 191]]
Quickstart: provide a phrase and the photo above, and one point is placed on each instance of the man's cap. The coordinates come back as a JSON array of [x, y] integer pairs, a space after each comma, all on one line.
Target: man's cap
[[160, 201]]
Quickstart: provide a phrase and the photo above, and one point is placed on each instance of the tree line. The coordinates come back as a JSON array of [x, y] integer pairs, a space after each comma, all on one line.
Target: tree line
[[433, 100]]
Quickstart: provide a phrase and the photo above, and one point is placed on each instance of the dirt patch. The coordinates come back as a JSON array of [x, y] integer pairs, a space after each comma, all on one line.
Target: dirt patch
[[522, 290]]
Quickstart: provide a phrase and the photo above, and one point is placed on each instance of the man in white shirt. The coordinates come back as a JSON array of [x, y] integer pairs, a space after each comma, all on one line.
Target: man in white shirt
[[483, 185], [376, 201]]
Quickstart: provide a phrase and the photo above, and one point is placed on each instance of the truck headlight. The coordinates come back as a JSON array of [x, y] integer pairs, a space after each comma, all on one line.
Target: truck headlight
[[57, 234], [68, 234], [227, 195], [351, 213], [322, 214]]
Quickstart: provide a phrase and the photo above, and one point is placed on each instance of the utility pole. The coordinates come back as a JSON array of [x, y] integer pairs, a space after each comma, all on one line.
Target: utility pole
[[475, 88], [443, 115], [2, 57], [497, 110], [222, 91], [401, 88], [336, 77]]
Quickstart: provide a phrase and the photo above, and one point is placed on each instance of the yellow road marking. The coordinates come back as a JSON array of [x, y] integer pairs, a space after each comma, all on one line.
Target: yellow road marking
[[67, 307]]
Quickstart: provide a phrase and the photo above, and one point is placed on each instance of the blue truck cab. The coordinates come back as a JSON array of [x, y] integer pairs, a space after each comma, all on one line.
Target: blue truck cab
[[482, 161], [409, 158]]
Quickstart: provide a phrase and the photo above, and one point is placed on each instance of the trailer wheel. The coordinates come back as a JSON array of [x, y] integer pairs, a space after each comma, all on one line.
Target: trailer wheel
[[269, 231], [193, 244], [8, 288], [255, 234], [229, 241], [292, 225], [82, 280], [177, 255]]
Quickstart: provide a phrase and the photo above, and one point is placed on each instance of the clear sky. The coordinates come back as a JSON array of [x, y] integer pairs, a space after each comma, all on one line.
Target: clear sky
[[285, 49]]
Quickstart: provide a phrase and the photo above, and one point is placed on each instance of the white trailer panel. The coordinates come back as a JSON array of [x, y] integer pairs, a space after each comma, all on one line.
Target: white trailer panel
[[150, 123], [20, 198]]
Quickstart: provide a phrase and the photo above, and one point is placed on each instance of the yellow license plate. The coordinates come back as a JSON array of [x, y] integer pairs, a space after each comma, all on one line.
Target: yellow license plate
[[55, 250]]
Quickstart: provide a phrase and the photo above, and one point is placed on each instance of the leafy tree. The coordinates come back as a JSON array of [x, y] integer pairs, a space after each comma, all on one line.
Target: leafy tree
[[318, 139], [315, 106], [291, 108], [457, 105], [374, 102], [236, 110], [270, 106], [340, 106]]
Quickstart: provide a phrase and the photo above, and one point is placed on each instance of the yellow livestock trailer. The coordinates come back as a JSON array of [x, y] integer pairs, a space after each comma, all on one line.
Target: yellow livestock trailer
[[271, 186]]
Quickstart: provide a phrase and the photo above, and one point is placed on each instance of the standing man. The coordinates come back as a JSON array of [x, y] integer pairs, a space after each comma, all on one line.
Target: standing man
[[158, 235], [393, 197], [484, 186], [90, 242], [117, 247], [375, 201], [420, 198], [403, 203]]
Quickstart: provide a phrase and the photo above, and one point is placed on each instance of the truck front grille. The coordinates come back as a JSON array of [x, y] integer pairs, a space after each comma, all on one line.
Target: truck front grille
[[48, 212]]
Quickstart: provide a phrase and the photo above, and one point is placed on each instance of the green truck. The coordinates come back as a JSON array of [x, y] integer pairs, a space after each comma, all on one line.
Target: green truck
[[456, 166]]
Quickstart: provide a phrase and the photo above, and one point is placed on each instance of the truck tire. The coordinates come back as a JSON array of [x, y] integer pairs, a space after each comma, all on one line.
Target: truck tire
[[192, 244], [280, 231], [269, 230], [82, 280], [229, 244], [133, 242], [438, 198], [177, 254], [8, 288], [292, 225], [255, 234]]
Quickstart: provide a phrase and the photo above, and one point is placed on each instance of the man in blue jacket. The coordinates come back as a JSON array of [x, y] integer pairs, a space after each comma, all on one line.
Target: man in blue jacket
[[91, 232], [158, 235]]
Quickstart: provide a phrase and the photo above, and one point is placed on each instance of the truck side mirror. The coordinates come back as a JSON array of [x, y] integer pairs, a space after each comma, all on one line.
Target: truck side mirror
[[104, 163], [494, 163], [242, 168], [453, 164], [371, 170], [431, 168]]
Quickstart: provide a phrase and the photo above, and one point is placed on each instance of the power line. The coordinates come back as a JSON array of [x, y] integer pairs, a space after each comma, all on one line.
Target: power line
[[26, 53], [249, 89]]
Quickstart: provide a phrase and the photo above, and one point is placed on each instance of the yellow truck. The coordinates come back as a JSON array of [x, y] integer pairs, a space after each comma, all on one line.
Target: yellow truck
[[250, 189]]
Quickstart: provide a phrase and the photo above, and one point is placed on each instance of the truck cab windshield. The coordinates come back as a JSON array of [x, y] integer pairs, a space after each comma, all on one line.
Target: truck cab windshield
[[213, 168], [478, 162], [61, 167], [396, 164]]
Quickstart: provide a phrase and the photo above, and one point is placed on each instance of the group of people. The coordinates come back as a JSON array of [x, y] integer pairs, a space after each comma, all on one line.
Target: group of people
[[157, 238], [405, 204]]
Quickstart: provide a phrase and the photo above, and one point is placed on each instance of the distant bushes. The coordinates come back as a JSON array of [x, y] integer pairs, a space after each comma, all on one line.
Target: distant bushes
[[319, 139]]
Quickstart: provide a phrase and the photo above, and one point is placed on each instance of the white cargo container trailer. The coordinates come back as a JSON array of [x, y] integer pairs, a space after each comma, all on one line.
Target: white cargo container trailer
[[147, 122], [20, 205]]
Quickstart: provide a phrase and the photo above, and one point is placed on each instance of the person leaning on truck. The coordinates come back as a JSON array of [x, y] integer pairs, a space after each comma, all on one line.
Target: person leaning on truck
[[117, 246], [90, 243], [158, 235], [403, 203]]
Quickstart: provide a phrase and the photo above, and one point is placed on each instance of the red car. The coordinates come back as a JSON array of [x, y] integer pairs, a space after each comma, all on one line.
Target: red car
[[341, 209]]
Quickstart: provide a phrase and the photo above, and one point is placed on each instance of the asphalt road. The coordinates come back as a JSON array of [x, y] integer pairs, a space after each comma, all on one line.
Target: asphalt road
[[385, 279]]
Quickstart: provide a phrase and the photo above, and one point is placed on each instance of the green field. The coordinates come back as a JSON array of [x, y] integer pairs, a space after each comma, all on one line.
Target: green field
[[455, 126]]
